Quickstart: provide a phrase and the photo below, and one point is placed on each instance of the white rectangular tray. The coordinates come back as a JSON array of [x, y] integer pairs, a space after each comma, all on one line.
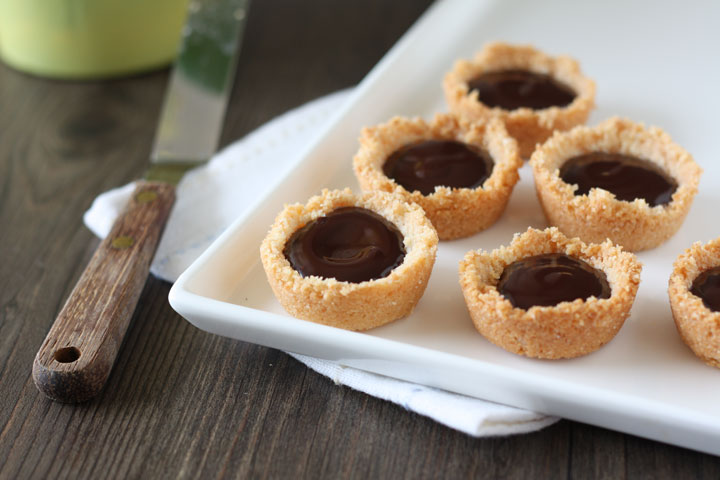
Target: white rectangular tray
[[653, 62]]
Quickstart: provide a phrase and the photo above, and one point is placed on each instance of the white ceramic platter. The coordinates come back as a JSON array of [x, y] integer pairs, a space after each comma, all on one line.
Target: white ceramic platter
[[655, 62]]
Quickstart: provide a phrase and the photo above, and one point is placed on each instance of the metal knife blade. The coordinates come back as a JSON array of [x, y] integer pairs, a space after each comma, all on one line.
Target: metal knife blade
[[77, 356], [192, 117]]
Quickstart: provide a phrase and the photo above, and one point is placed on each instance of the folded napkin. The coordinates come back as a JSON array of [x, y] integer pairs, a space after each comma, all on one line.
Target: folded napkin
[[211, 197]]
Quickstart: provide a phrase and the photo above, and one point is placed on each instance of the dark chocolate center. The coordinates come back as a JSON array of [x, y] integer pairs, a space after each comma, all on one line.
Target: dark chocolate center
[[513, 89], [548, 279], [428, 164], [350, 244], [625, 176], [707, 287]]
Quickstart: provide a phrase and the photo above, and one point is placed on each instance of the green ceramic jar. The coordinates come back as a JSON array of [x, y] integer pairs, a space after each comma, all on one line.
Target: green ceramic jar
[[89, 38]]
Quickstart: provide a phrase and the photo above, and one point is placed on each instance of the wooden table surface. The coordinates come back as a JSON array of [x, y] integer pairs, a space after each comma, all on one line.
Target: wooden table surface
[[184, 403]]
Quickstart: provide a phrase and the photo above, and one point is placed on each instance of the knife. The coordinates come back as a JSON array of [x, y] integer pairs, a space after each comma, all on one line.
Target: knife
[[75, 359]]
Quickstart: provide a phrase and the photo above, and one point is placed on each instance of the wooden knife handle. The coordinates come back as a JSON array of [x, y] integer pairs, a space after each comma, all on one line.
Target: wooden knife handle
[[75, 360]]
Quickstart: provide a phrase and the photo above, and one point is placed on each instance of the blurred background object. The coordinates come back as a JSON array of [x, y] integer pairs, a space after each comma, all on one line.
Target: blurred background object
[[89, 38]]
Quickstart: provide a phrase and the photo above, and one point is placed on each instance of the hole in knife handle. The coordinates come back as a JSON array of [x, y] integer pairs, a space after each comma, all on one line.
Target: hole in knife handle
[[66, 355]]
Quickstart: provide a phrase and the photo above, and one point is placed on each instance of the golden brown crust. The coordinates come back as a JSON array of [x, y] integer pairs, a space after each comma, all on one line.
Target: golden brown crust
[[567, 330], [353, 306], [698, 326], [529, 127], [598, 215], [455, 212]]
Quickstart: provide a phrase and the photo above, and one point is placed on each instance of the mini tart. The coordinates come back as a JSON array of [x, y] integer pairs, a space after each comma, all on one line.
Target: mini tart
[[528, 126], [353, 306], [566, 330], [455, 212], [698, 326], [599, 215]]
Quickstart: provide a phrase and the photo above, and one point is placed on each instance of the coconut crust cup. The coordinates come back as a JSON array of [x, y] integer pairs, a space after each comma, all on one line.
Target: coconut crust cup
[[599, 215], [698, 326], [528, 126], [566, 330], [352, 306], [455, 212]]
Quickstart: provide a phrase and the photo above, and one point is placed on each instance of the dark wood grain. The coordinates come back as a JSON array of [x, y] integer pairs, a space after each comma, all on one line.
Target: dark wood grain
[[183, 403], [75, 359]]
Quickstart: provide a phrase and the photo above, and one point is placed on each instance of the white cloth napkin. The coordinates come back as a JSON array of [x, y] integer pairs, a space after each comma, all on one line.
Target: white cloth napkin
[[211, 197]]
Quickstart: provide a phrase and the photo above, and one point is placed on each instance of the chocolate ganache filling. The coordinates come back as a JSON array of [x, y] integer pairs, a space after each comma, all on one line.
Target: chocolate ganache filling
[[625, 176], [707, 287], [513, 89], [427, 164], [548, 279], [350, 244]]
